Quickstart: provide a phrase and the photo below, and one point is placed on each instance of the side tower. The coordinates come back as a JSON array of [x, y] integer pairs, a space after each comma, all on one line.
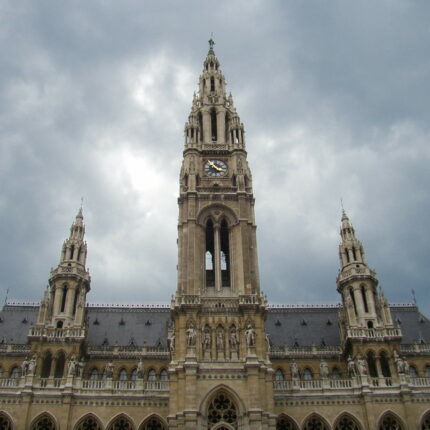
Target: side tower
[[218, 343], [366, 320], [60, 331]]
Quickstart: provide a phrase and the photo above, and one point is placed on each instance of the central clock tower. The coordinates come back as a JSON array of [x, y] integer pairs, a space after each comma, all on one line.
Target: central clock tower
[[217, 340]]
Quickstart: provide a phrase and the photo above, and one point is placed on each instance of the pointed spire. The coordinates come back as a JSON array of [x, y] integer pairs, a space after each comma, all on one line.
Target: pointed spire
[[211, 46]]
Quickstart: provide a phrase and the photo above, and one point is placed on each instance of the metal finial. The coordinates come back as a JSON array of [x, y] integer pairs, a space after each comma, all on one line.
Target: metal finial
[[82, 202], [413, 296]]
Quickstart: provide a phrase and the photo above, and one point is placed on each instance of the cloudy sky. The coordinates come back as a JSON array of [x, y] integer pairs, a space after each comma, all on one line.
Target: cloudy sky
[[335, 101]]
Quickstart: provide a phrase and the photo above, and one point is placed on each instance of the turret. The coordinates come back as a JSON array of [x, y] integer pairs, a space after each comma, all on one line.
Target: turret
[[357, 283], [64, 301]]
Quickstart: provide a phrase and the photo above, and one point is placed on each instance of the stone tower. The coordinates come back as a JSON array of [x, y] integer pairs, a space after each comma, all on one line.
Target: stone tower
[[218, 343]]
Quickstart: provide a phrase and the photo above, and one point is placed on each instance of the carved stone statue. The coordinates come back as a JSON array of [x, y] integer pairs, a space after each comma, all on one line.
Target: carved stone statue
[[400, 365], [294, 371], [220, 340], [206, 338], [140, 368], [80, 367], [234, 340], [250, 336], [71, 367], [32, 365], [323, 369], [351, 367], [172, 342], [406, 366], [108, 373], [191, 335], [24, 367], [361, 365]]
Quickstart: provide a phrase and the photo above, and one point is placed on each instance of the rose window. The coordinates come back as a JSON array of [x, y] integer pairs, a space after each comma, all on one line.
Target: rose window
[[222, 409]]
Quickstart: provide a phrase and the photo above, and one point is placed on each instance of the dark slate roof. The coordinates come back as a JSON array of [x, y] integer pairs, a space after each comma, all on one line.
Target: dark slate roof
[[148, 325], [145, 326], [303, 326]]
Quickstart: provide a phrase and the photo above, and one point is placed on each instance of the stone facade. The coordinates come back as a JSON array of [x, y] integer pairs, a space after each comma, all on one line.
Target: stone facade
[[219, 357]]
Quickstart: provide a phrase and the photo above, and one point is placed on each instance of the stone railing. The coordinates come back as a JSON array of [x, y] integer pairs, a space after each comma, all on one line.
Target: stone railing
[[54, 334], [15, 349], [420, 382], [71, 270], [305, 351], [356, 271], [10, 382], [379, 334], [129, 351], [415, 349]]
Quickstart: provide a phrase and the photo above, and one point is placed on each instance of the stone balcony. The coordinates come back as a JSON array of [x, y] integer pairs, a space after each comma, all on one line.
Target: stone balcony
[[52, 334], [375, 334], [356, 272], [304, 351]]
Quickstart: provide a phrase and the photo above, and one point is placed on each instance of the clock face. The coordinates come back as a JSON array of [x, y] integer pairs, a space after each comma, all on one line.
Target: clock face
[[215, 168]]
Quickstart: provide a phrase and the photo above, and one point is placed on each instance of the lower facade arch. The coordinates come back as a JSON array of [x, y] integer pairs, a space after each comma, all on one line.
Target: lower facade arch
[[88, 422], [315, 422], [6, 422], [284, 422], [346, 421], [425, 421], [44, 421], [153, 422], [121, 422], [390, 421]]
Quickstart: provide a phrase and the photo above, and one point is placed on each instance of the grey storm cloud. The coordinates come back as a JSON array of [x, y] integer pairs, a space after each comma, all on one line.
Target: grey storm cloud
[[334, 99]]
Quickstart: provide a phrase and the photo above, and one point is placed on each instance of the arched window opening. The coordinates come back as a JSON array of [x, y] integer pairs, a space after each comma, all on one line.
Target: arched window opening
[[134, 375], [153, 424], [385, 365], [59, 324], [213, 125], [75, 301], [5, 422], [63, 299], [413, 372], [89, 423], [164, 376], [347, 255], [427, 371], [285, 423], [389, 422], [1, 373], [72, 251], [363, 295], [45, 422], [335, 373], [79, 253], [234, 180], [371, 364], [354, 254], [279, 375], [225, 254], [369, 324], [200, 119], [222, 409], [227, 126], [426, 422], [210, 253], [345, 422], [212, 84], [121, 423], [46, 365], [351, 293], [152, 375], [315, 423], [14, 373], [308, 375], [94, 375], [59, 365], [122, 375]]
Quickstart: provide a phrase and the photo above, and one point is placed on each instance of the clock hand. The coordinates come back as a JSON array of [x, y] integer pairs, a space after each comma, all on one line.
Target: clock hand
[[214, 165]]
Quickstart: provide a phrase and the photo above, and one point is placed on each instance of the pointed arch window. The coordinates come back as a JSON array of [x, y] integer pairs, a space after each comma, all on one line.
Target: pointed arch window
[[59, 365], [152, 375], [308, 375], [121, 423], [210, 254], [5, 422], [134, 374], [212, 84], [46, 366], [153, 424], [164, 376], [63, 299], [371, 364], [89, 423], [315, 423], [385, 365], [225, 254], [347, 255], [45, 422], [390, 422], [123, 375], [14, 373], [345, 422], [285, 423], [426, 422], [427, 371], [214, 134], [222, 409], [94, 375], [363, 295], [351, 293]]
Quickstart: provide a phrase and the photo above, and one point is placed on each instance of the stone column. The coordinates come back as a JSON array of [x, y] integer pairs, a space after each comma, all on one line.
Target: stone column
[[206, 127], [59, 291], [70, 299], [220, 120]]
